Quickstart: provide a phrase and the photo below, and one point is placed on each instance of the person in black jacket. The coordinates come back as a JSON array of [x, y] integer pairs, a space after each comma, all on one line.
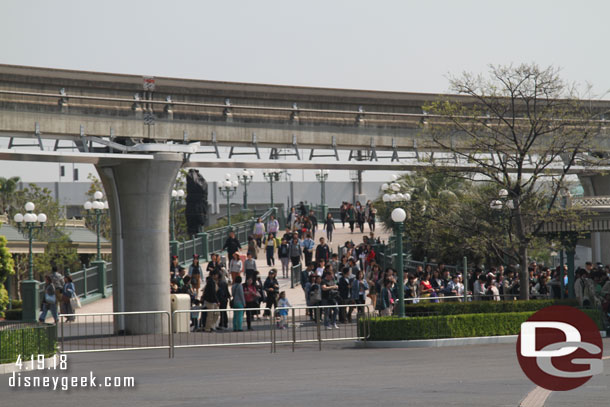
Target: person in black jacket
[[210, 300], [231, 245], [345, 290], [322, 251], [223, 296], [314, 224], [272, 288]]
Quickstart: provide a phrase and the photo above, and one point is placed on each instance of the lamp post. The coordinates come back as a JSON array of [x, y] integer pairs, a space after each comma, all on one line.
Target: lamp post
[[177, 196], [245, 178], [30, 221], [272, 176], [98, 207], [322, 176], [398, 217], [228, 189], [498, 206]]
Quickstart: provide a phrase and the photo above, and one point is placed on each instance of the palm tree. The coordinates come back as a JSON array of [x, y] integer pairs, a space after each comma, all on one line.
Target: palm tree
[[8, 186]]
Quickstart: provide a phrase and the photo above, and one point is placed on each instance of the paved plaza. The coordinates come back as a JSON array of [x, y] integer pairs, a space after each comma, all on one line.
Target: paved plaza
[[339, 375]]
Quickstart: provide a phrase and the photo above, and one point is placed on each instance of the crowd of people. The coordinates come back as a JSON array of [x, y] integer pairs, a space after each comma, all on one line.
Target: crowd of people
[[345, 281]]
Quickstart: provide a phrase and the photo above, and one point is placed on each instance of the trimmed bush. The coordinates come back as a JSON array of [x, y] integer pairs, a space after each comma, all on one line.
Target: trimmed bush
[[27, 341], [16, 303], [480, 307], [453, 326]]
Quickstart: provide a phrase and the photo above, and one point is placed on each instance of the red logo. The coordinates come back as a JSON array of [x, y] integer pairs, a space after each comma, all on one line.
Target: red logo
[[560, 348]]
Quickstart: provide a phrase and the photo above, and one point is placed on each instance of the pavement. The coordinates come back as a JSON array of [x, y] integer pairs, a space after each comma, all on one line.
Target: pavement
[[339, 375]]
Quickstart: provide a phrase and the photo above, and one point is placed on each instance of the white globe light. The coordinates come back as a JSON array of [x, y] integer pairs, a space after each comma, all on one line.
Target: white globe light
[[174, 193], [386, 198], [393, 197], [235, 184], [503, 193], [42, 218], [318, 172], [228, 184], [394, 177], [97, 205], [495, 205], [510, 204], [227, 176], [396, 186], [18, 218], [180, 193], [384, 187], [106, 205], [87, 205], [399, 197], [29, 206], [399, 215], [30, 217], [406, 196], [251, 173], [98, 195], [245, 172]]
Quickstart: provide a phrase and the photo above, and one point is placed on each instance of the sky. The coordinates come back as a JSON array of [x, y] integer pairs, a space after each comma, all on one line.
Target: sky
[[410, 46]]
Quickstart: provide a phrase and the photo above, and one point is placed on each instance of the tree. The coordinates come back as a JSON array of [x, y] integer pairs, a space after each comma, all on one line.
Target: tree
[[518, 126], [6, 270], [8, 186]]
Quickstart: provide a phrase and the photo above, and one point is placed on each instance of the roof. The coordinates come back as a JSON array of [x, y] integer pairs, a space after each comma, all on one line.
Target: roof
[[81, 235], [12, 234]]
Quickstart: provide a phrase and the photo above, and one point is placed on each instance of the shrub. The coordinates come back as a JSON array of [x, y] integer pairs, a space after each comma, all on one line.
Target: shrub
[[452, 326], [27, 341], [16, 303], [480, 307]]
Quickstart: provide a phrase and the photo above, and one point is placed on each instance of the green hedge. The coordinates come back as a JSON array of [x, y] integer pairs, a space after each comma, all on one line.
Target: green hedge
[[27, 341], [16, 303], [452, 326], [480, 307]]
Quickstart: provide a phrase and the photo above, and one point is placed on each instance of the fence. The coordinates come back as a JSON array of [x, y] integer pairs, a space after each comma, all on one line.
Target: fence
[[27, 341], [295, 275], [125, 331], [115, 331], [213, 240]]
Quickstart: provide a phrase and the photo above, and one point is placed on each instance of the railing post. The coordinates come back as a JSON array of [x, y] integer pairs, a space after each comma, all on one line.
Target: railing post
[[465, 279], [85, 282], [101, 275], [205, 250], [294, 330], [271, 330]]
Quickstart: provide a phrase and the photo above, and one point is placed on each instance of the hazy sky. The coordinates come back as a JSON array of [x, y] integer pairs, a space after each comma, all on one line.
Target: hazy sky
[[387, 45]]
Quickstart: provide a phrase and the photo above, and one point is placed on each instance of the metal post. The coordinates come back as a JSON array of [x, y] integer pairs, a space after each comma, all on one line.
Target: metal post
[[561, 282], [271, 186], [272, 331], [98, 213], [173, 224], [245, 195], [228, 208], [570, 255], [294, 330], [318, 320], [398, 226], [465, 279]]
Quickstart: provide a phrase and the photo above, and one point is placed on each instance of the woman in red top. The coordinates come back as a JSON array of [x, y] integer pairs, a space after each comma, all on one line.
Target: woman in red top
[[425, 288], [251, 295]]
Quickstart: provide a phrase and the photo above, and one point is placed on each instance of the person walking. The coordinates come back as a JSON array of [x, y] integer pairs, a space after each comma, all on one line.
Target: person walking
[[343, 213], [271, 244], [283, 303], [351, 217], [231, 245], [295, 251], [313, 224], [251, 295], [283, 253], [272, 288], [68, 292], [273, 226], [329, 297], [210, 301], [371, 216], [223, 295], [322, 252], [308, 245], [195, 273], [49, 303], [235, 265], [250, 266], [360, 216], [239, 302], [329, 226], [259, 232]]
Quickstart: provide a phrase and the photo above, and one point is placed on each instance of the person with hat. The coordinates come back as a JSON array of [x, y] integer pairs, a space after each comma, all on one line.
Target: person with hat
[[195, 273]]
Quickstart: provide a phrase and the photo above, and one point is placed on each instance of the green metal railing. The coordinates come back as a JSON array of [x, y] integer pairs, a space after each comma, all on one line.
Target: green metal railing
[[295, 275], [213, 240]]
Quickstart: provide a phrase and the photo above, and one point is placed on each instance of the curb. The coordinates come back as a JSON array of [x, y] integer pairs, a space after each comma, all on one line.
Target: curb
[[437, 343], [11, 367]]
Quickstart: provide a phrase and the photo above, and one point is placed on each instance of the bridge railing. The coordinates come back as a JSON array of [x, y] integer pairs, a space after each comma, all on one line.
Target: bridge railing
[[212, 241]]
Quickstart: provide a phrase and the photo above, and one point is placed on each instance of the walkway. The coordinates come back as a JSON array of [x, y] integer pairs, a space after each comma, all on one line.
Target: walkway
[[294, 295]]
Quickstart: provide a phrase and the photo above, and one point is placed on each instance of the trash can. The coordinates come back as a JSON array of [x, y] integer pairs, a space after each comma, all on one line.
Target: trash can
[[181, 320]]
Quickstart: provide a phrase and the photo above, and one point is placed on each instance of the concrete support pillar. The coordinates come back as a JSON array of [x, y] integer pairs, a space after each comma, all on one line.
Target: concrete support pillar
[[138, 194]]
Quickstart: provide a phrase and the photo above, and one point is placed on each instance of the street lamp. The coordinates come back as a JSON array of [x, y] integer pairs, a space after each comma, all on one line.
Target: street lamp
[[245, 178], [398, 217], [177, 196], [322, 176], [498, 205], [228, 189], [271, 176], [30, 221], [98, 207]]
